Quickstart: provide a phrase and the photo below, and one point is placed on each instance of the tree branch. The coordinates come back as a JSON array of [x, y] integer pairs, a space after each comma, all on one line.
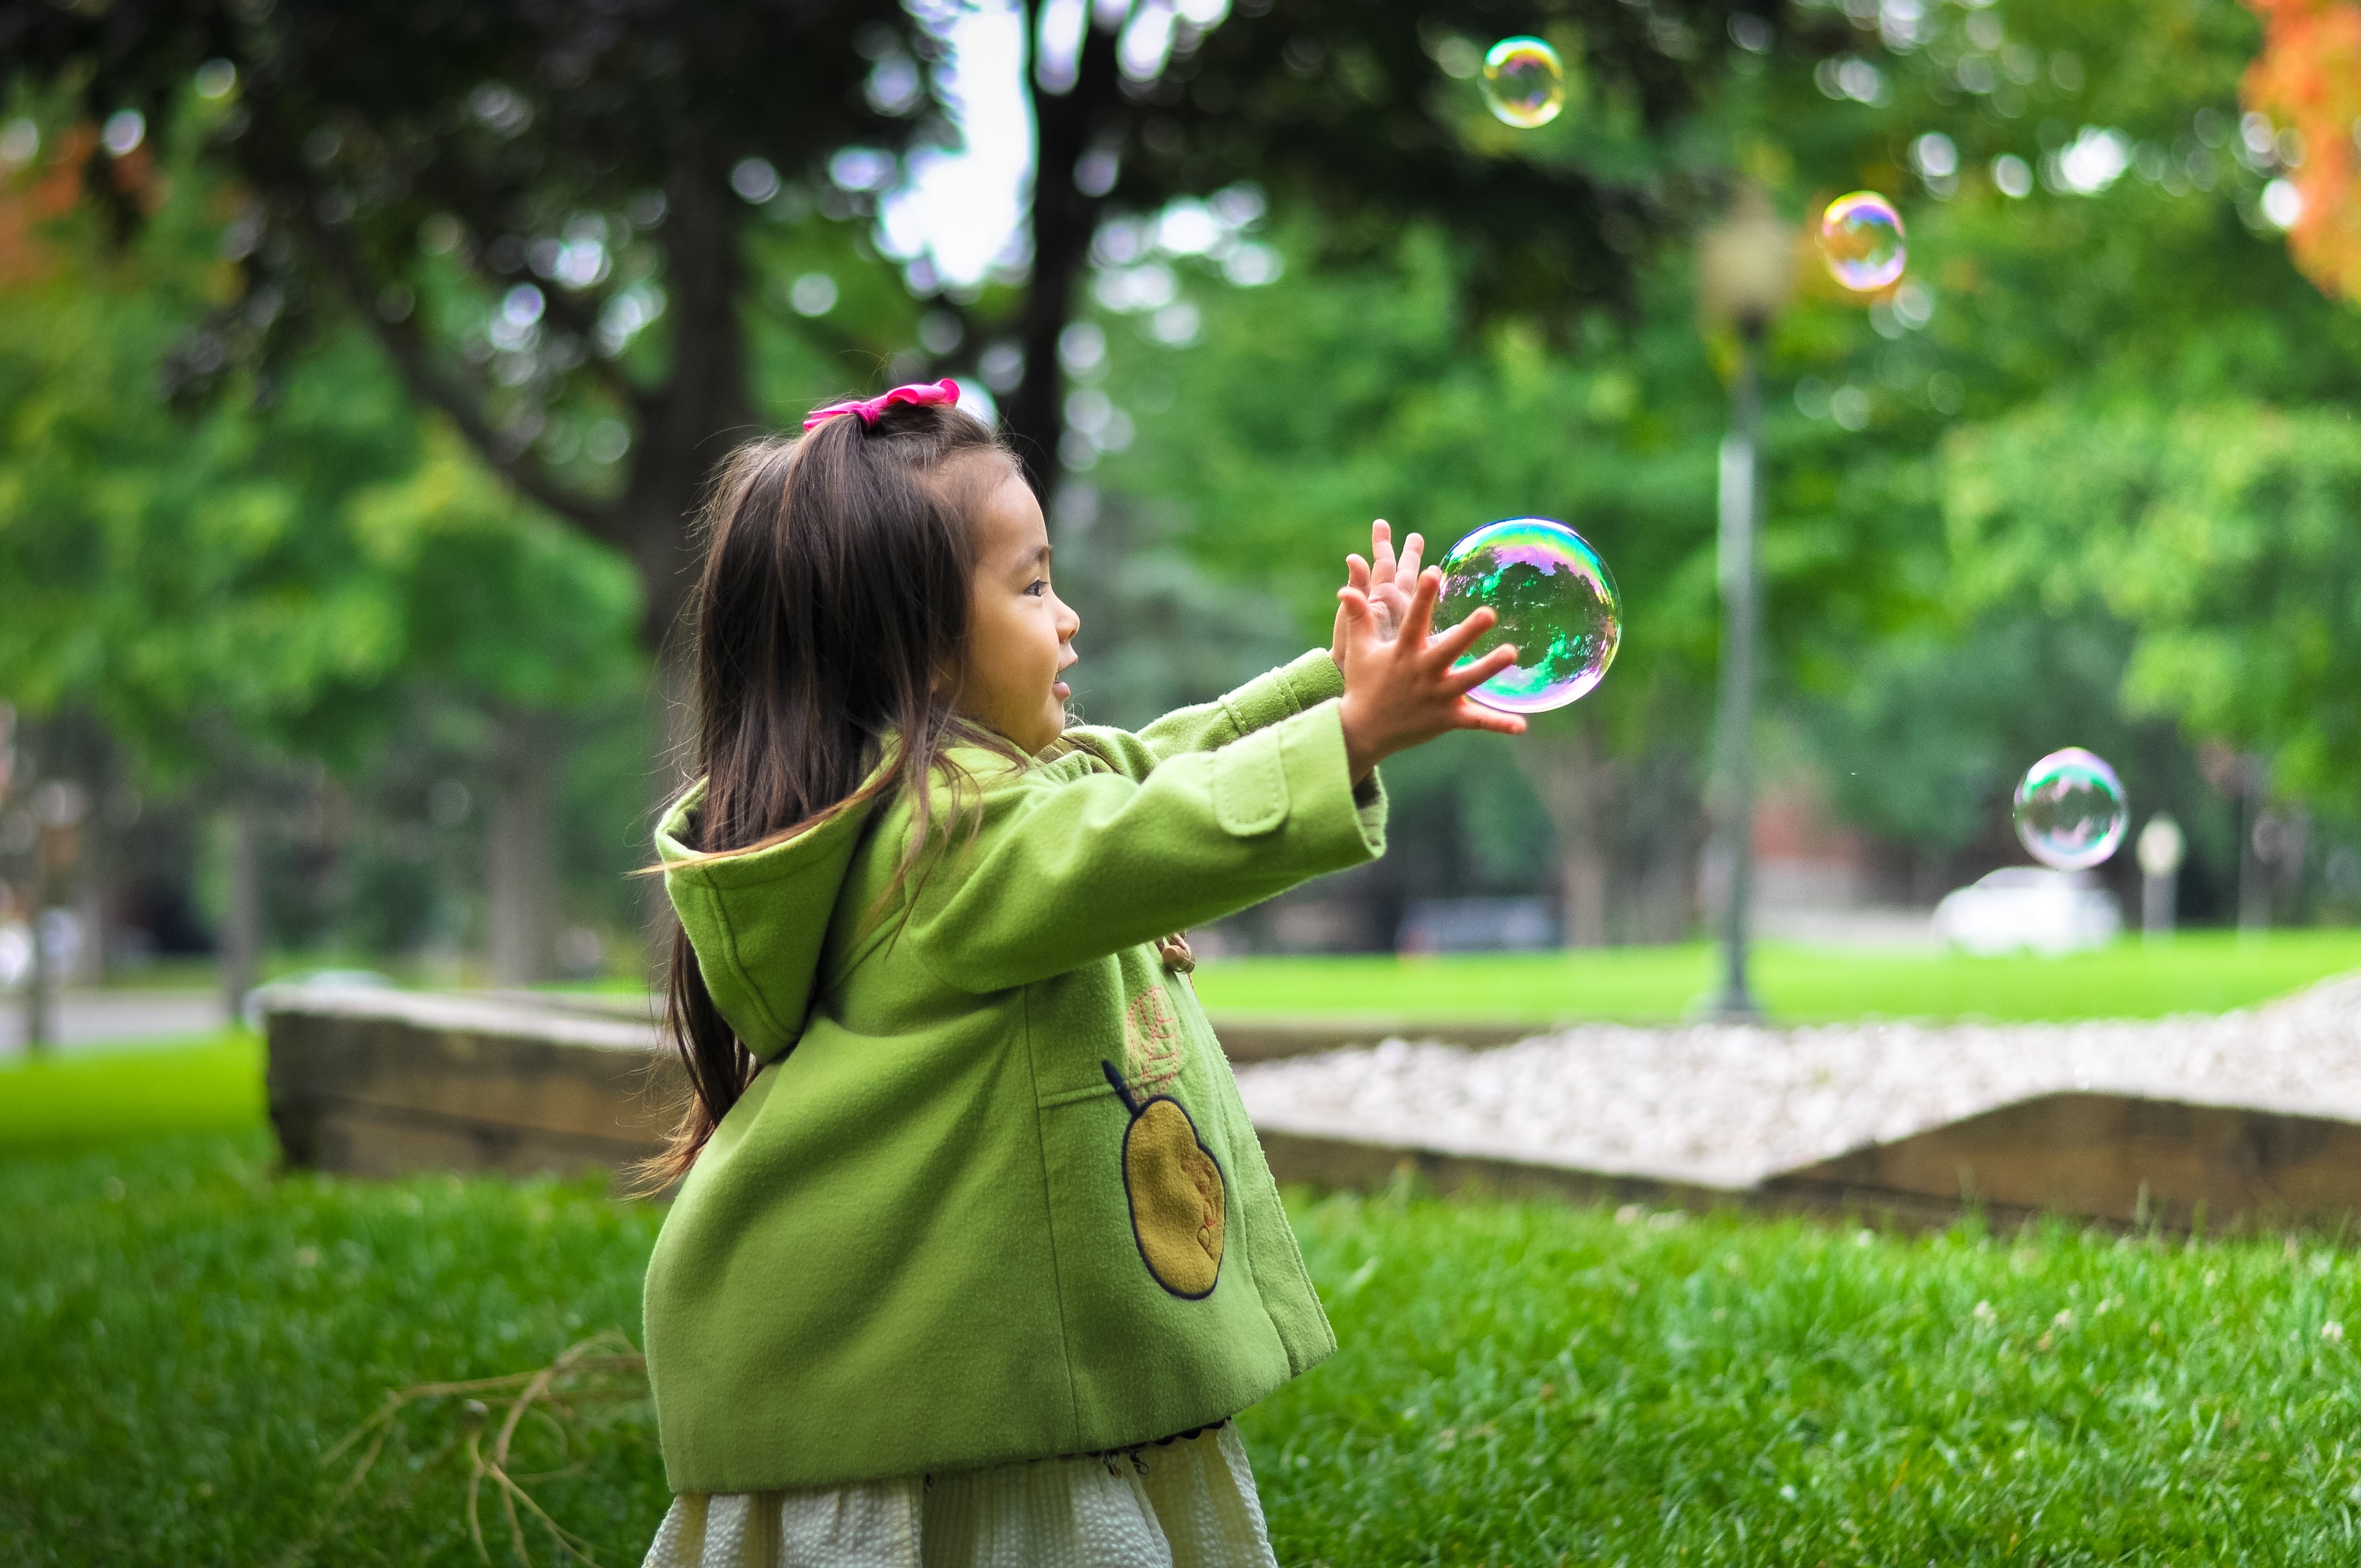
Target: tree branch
[[407, 347]]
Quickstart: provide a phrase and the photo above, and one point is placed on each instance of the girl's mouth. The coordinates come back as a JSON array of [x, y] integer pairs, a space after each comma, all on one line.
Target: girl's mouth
[[1060, 690]]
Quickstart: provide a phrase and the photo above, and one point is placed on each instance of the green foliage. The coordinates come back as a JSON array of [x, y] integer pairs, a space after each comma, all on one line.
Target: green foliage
[[271, 569], [178, 574], [2222, 535], [2115, 357], [2067, 347], [1325, 399], [497, 600], [184, 1336]]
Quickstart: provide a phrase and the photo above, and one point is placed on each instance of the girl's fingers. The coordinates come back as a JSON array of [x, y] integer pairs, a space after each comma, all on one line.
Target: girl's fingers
[[1354, 605], [1413, 548], [1418, 621], [1469, 677], [1357, 572], [1449, 646], [1474, 715], [1381, 549]]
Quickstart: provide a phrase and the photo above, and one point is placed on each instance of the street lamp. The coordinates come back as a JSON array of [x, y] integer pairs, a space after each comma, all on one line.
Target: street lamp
[[1745, 269], [2160, 849]]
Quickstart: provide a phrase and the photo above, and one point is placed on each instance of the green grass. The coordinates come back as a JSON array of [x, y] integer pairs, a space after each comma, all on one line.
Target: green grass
[[2209, 971], [183, 1336], [88, 1096]]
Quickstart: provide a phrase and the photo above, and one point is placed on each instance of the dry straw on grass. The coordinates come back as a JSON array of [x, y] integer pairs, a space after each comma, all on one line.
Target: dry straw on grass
[[603, 1369]]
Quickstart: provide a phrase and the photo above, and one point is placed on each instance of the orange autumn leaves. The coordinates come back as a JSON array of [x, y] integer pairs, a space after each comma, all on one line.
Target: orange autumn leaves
[[51, 186], [2307, 76]]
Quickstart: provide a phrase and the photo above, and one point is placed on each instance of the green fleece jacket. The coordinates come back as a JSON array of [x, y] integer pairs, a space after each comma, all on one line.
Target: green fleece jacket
[[993, 1195]]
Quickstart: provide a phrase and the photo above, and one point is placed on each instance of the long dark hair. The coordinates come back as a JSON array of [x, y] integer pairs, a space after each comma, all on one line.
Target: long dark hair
[[830, 625]]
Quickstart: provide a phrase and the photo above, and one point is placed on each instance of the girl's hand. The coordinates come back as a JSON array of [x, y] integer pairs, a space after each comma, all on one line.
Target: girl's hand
[[1386, 584], [1401, 691]]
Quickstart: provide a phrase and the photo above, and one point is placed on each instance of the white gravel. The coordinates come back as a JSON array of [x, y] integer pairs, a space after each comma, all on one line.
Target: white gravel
[[1728, 1105]]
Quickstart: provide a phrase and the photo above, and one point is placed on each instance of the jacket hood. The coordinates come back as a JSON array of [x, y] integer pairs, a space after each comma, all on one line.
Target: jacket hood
[[759, 920]]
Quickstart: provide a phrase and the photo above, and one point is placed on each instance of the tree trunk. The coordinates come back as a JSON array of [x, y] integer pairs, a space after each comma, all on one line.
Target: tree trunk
[[1576, 787], [1063, 220], [522, 881], [706, 405], [705, 408], [241, 932]]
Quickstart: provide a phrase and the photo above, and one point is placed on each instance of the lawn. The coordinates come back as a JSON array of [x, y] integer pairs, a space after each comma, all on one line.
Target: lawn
[[85, 1096], [2208, 972], [182, 1336]]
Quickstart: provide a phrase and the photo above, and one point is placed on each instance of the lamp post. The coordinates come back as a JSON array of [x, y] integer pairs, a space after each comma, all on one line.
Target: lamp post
[[2160, 849], [1745, 266]]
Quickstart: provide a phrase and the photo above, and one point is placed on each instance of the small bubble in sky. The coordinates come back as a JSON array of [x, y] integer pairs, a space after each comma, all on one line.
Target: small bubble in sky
[[1860, 239], [2070, 810], [1525, 85], [1556, 603]]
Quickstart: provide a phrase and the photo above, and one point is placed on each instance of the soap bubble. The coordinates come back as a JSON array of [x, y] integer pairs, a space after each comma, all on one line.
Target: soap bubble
[[1523, 82], [2070, 810], [1860, 239], [1555, 601]]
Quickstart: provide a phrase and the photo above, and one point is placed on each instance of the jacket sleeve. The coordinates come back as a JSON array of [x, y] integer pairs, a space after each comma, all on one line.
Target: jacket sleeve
[[1066, 866], [1260, 703]]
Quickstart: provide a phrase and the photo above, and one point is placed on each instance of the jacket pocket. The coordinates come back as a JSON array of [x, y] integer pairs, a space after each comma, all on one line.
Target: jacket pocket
[[1250, 785]]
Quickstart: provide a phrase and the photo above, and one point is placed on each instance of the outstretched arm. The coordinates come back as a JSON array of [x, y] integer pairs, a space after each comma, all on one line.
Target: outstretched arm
[[1065, 869], [1386, 580]]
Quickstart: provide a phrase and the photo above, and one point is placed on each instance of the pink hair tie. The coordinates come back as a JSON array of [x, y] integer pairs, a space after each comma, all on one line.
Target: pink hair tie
[[943, 394]]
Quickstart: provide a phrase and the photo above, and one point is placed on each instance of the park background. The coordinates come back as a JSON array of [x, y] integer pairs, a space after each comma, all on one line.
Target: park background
[[359, 365]]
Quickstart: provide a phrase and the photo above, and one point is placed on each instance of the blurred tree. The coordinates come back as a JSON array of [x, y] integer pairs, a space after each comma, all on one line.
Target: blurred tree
[[537, 209], [2224, 535], [2097, 261], [1336, 395], [2308, 79], [246, 582], [513, 195], [1365, 113], [2087, 230]]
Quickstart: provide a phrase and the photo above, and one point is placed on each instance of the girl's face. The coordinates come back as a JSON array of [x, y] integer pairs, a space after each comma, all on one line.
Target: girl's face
[[1022, 634]]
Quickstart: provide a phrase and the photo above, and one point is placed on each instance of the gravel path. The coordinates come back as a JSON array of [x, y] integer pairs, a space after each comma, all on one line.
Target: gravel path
[[1728, 1106]]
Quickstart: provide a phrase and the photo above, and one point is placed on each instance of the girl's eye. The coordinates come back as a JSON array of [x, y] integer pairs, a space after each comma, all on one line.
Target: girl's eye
[[1038, 587]]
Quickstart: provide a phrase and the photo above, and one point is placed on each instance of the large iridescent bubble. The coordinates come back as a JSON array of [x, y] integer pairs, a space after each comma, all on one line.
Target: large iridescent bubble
[[1525, 85], [1860, 239], [2070, 810], [1556, 602]]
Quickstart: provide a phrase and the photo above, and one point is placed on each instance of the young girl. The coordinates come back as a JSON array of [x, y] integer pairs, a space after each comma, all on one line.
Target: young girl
[[976, 1254]]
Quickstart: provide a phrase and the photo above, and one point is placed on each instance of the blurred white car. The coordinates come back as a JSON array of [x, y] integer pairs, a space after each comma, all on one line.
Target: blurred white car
[[2025, 907]]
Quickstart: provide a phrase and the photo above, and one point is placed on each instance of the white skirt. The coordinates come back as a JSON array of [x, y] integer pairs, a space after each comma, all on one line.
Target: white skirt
[[1188, 1503]]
